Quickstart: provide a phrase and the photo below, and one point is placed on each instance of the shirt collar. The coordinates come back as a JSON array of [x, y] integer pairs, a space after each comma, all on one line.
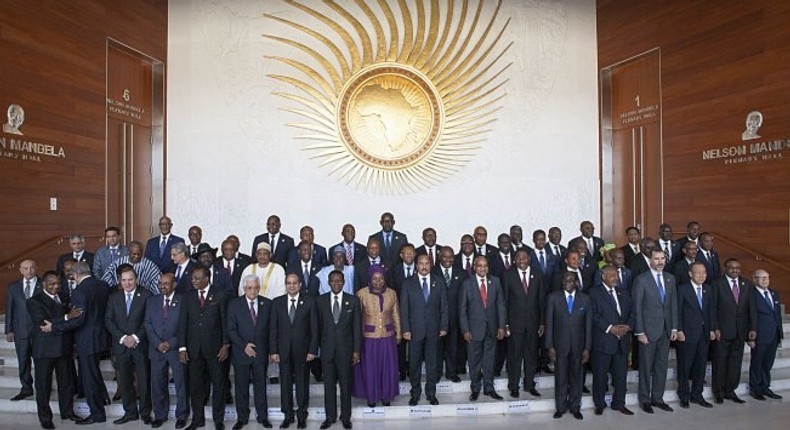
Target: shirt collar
[[51, 296], [569, 294], [291, 298], [169, 297]]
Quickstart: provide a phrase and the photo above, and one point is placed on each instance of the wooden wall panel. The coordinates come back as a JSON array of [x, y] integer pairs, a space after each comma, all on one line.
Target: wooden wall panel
[[720, 60], [54, 57]]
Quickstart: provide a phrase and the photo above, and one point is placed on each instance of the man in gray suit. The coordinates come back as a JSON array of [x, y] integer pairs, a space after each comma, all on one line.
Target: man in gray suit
[[110, 252], [656, 310], [18, 326], [482, 320]]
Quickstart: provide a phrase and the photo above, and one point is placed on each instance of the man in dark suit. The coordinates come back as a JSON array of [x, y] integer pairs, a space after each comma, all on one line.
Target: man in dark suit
[[157, 249], [282, 244], [18, 326], [656, 324], [110, 252], [625, 278], [613, 321], [124, 320], [541, 257], [202, 326], [631, 248], [683, 264], [555, 247], [317, 253], [672, 248], [707, 256], [306, 268], [183, 266], [404, 269], [78, 253], [769, 335], [390, 239], [237, 245], [452, 350], [232, 264], [641, 263], [372, 257], [525, 299], [429, 246], [206, 256], [482, 247], [692, 234], [594, 243], [695, 323], [162, 314], [248, 330], [195, 236], [736, 323], [502, 259], [573, 264], [90, 295], [355, 252], [341, 335], [482, 313], [517, 238], [294, 344], [424, 321], [52, 350], [465, 259], [568, 338]]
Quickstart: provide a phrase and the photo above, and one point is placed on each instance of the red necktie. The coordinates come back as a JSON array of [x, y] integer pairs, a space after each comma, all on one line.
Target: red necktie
[[202, 299], [484, 293]]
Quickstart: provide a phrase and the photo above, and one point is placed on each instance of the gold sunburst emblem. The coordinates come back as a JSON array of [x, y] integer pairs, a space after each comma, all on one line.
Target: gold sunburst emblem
[[403, 115]]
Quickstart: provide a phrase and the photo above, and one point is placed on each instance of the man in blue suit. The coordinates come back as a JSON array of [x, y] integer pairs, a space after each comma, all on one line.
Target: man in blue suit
[[390, 239], [769, 335], [18, 326], [110, 252], [161, 326], [710, 258], [158, 247], [613, 322], [542, 258]]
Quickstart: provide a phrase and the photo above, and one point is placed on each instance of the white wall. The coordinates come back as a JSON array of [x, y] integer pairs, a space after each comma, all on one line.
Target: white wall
[[232, 159]]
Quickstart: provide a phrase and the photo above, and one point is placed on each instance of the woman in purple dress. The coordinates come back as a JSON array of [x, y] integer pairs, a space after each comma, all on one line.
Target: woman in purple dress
[[376, 376]]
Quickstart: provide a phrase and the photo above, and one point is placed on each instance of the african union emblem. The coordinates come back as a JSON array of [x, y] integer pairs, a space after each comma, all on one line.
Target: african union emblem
[[398, 105]]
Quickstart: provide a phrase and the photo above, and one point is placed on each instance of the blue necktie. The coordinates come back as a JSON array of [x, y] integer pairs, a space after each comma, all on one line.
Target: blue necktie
[[425, 291], [162, 245], [699, 296], [570, 304], [768, 299], [542, 261], [128, 303], [306, 275], [661, 291], [178, 274]]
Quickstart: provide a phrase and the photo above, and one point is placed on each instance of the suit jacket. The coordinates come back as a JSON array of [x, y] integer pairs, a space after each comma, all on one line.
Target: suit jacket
[[457, 277], [694, 321], [712, 265], [163, 260], [625, 284], [120, 324], [203, 329], [639, 265], [294, 340], [568, 332], [460, 263], [489, 252], [360, 252], [769, 318], [550, 246], [396, 276], [102, 259], [681, 271], [525, 311], [160, 327], [676, 252], [588, 273], [221, 279], [424, 319], [552, 263], [90, 332], [17, 319], [319, 257], [86, 257], [241, 329], [597, 244], [239, 264], [628, 253], [361, 273], [339, 341], [652, 317], [605, 314], [397, 240], [184, 283], [734, 320], [423, 250], [282, 252], [60, 341], [497, 264], [312, 285], [477, 319]]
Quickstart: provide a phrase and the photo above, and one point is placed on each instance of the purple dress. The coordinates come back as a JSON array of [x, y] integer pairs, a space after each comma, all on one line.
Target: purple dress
[[376, 375]]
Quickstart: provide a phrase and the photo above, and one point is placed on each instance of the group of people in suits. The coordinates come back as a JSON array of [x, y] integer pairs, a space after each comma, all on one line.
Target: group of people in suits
[[587, 306]]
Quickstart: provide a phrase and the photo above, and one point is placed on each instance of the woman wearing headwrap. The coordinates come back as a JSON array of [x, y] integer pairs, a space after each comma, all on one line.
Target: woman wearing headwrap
[[376, 376]]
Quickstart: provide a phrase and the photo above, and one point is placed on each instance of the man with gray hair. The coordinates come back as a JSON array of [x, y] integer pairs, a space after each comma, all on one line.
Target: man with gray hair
[[769, 336], [18, 326], [78, 253], [184, 266]]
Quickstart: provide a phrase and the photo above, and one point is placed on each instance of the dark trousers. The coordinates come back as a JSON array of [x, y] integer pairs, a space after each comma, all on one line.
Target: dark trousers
[[160, 393], [762, 361], [24, 351], [481, 363], [204, 371], [447, 353], [423, 350], [727, 360], [133, 367], [337, 369], [93, 385], [522, 348], [568, 381], [294, 372], [242, 375], [653, 362], [62, 368], [604, 365], [500, 356], [692, 360], [403, 362]]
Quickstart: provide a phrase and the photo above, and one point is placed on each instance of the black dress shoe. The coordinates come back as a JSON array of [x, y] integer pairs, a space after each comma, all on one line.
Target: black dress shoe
[[598, 410], [473, 397], [718, 400], [239, 425], [385, 403], [585, 390], [326, 424], [22, 396], [194, 425], [663, 406], [402, 377], [126, 418], [771, 395], [370, 405], [433, 400], [455, 379], [157, 423], [302, 424], [734, 397], [88, 421], [413, 401], [181, 423], [757, 396], [287, 422], [533, 392], [274, 380], [70, 418], [623, 410], [229, 399], [578, 415], [684, 404], [514, 394], [347, 424], [266, 424], [146, 419], [80, 395], [558, 415], [647, 408], [48, 425], [547, 370], [494, 395], [702, 402], [219, 426]]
